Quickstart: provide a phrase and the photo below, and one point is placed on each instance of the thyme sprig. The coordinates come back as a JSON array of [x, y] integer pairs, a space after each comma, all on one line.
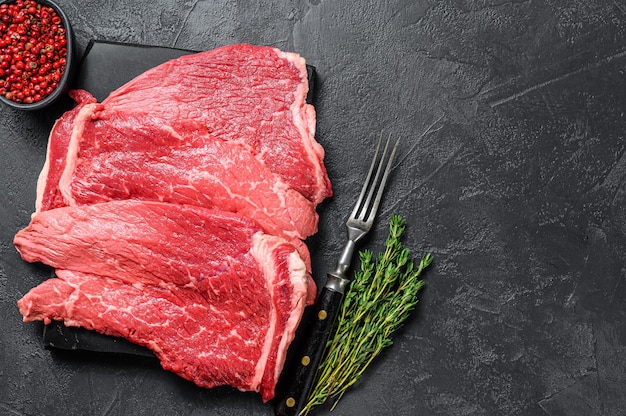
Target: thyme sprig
[[380, 298]]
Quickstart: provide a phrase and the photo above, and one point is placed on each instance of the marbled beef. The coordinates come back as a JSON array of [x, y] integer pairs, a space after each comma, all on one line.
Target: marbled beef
[[250, 96]]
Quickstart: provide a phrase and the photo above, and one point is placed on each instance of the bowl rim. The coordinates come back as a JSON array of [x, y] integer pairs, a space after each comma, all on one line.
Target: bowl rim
[[65, 79]]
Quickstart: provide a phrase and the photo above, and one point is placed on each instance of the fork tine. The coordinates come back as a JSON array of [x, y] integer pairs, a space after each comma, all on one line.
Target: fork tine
[[383, 182], [370, 186], [359, 201]]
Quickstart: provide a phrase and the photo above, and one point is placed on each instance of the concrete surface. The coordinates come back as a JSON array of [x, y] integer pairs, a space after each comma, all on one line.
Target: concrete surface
[[513, 175]]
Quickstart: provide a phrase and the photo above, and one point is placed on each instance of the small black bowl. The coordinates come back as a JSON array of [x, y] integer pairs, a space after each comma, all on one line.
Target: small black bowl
[[65, 80]]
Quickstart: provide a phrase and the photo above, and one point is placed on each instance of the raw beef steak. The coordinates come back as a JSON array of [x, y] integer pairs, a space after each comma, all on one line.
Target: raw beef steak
[[214, 297], [255, 95], [252, 96], [152, 162]]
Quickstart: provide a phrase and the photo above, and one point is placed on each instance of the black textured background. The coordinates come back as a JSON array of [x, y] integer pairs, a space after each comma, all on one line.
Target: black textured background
[[513, 175]]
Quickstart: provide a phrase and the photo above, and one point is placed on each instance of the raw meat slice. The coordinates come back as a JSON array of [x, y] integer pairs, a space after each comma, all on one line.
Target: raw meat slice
[[150, 242], [124, 236], [254, 95], [251, 95], [214, 297], [142, 159]]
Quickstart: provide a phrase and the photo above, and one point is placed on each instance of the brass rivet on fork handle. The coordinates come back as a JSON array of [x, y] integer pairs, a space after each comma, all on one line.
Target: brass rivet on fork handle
[[327, 307]]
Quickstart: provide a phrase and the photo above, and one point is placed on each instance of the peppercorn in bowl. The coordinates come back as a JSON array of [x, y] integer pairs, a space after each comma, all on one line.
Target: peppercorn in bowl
[[36, 49]]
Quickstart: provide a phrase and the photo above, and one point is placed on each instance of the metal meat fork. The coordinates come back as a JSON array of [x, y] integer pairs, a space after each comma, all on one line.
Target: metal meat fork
[[359, 224]]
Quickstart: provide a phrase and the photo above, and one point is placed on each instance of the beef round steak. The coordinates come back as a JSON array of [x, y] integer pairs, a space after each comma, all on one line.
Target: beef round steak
[[250, 95], [253, 95], [214, 297], [144, 159]]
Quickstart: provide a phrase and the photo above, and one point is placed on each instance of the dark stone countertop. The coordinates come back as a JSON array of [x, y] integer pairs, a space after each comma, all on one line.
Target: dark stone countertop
[[512, 174]]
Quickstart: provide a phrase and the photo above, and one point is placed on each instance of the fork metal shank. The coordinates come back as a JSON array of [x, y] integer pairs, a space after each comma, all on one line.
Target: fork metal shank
[[336, 283]]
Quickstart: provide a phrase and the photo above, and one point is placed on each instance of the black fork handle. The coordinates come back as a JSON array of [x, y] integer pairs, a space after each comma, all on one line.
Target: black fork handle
[[308, 359]]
